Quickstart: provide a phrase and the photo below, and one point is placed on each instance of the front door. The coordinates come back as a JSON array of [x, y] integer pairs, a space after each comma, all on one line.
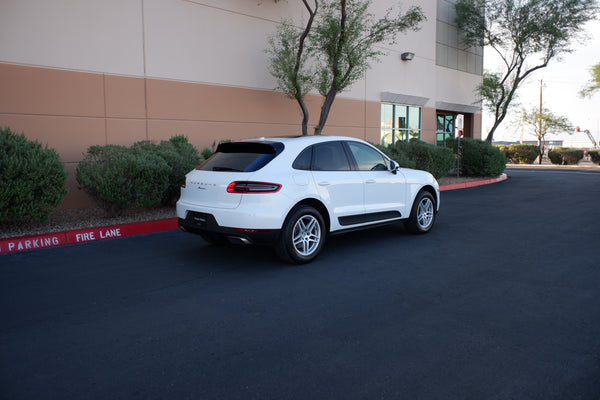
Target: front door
[[384, 191]]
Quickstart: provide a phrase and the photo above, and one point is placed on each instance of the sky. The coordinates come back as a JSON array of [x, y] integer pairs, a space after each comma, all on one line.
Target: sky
[[562, 81]]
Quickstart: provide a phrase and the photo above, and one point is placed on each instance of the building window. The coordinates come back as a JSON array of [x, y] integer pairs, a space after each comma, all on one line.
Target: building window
[[451, 52], [400, 123], [444, 128]]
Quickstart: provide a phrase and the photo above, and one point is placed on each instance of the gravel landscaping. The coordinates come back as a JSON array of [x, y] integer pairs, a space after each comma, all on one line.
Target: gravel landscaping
[[81, 218]]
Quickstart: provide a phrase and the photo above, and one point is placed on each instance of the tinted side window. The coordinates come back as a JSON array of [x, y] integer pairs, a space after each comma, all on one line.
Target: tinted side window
[[303, 161], [329, 156], [367, 158]]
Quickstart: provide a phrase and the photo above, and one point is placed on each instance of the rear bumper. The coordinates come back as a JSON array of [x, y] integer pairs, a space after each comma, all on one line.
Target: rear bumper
[[202, 223]]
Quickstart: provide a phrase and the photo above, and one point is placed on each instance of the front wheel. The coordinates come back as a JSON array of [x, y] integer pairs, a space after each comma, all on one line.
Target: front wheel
[[302, 236], [422, 215]]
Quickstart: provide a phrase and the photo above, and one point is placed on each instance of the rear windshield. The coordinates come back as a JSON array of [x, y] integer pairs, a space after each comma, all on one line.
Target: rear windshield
[[242, 156]]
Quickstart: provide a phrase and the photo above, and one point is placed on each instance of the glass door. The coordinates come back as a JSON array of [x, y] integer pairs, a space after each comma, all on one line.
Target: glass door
[[444, 128]]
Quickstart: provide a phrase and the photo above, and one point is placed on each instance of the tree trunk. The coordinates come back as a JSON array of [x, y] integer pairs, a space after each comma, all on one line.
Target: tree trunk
[[333, 90], [304, 116], [325, 108], [490, 136], [299, 95]]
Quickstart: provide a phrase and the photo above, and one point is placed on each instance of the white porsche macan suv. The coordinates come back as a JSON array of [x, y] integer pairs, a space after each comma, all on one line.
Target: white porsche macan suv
[[292, 192]]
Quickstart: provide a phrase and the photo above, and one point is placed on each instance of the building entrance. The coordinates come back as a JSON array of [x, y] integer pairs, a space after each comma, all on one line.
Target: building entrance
[[444, 128]]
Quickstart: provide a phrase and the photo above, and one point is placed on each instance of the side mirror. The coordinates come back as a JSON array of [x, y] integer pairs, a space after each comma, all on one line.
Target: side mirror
[[394, 166]]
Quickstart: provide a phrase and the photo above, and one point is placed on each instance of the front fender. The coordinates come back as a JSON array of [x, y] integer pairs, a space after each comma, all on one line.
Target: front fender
[[416, 180]]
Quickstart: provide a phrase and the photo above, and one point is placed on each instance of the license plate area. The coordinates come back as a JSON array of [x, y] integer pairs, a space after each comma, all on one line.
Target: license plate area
[[199, 219]]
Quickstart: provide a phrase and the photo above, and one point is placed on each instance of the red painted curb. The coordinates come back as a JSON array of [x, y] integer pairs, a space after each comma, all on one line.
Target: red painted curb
[[138, 228], [464, 185], [85, 235]]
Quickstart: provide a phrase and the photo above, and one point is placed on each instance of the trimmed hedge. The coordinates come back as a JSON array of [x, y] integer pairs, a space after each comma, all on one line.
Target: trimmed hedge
[[143, 175], [594, 156], [521, 153], [32, 178], [397, 155], [572, 156], [119, 178], [478, 158], [180, 155], [565, 156], [436, 160], [555, 157]]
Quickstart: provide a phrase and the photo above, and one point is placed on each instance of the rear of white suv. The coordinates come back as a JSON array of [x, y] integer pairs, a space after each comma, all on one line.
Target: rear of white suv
[[293, 192]]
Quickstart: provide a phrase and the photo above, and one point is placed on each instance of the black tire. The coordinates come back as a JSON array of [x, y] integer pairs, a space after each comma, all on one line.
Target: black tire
[[302, 236], [423, 213]]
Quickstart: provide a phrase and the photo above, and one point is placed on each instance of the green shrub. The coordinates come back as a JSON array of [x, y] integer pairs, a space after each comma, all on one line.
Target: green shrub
[[206, 153], [555, 157], [32, 178], [521, 153], [572, 156], [436, 160], [181, 157], [565, 156], [119, 178], [478, 158], [397, 155], [595, 156]]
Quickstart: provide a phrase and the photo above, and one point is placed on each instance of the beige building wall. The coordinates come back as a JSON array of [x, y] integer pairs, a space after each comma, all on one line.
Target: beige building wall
[[71, 111], [76, 74]]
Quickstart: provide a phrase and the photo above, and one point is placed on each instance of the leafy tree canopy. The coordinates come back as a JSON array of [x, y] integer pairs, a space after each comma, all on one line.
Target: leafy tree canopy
[[526, 34], [594, 83], [334, 49], [543, 123]]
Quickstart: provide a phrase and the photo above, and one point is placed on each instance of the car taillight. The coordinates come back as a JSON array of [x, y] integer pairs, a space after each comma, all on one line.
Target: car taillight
[[253, 187]]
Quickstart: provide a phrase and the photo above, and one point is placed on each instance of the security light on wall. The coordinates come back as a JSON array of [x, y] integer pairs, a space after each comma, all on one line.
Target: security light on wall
[[407, 56]]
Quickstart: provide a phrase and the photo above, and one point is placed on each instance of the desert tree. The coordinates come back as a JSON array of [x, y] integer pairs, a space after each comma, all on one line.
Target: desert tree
[[526, 35], [542, 123], [289, 60], [346, 40], [594, 84], [334, 49]]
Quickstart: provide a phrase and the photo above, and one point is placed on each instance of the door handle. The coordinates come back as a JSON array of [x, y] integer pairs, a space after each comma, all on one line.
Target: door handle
[[371, 181], [323, 183]]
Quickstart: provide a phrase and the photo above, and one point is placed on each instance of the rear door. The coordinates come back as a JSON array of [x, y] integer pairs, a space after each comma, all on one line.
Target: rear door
[[340, 187]]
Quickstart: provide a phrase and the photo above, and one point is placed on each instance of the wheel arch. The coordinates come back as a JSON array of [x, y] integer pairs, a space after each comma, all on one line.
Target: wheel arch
[[317, 205], [432, 191]]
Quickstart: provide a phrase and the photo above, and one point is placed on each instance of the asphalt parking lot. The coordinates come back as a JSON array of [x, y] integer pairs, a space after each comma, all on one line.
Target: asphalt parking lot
[[500, 301]]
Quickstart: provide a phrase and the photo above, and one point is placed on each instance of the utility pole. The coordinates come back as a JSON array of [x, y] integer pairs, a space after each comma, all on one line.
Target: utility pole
[[542, 150], [541, 86]]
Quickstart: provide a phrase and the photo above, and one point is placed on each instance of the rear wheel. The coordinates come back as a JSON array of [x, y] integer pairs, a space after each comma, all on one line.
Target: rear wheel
[[302, 235], [422, 215]]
